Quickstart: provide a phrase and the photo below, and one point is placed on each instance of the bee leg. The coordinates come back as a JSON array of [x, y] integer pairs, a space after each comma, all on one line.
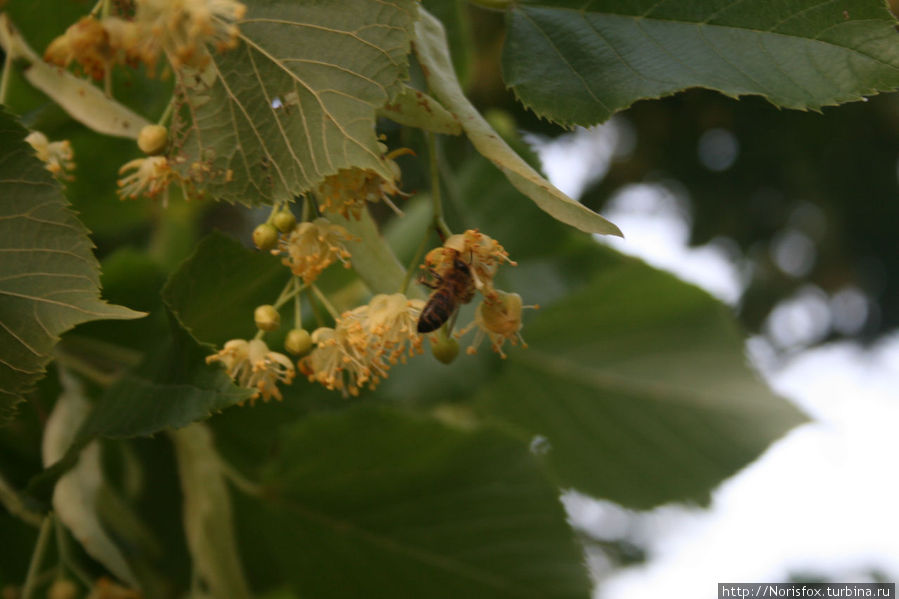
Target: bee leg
[[435, 283], [451, 323]]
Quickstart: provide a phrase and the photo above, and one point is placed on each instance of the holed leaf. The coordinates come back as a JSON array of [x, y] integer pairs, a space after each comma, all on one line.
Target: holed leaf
[[49, 278], [577, 63], [388, 504], [296, 100]]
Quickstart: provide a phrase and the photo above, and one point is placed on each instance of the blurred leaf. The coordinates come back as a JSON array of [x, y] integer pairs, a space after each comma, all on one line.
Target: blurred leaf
[[639, 385], [49, 278], [76, 494], [415, 108], [578, 64], [215, 291], [330, 66], [394, 505], [171, 388], [433, 54], [207, 514]]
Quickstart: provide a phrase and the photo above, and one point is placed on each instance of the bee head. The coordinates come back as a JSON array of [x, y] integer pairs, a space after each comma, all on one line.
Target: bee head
[[460, 264]]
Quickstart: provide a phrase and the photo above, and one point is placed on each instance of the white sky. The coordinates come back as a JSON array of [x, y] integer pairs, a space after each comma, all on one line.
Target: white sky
[[822, 500]]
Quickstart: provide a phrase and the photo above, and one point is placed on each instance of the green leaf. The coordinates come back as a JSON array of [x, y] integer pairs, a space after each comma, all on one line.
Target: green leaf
[[330, 66], [49, 278], [387, 505], [208, 522], [172, 388], [215, 291], [433, 54], [414, 108], [578, 63], [639, 385]]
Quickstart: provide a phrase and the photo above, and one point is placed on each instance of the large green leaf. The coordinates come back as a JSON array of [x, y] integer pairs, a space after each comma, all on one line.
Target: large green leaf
[[578, 62], [49, 278], [326, 66], [639, 385], [215, 291], [371, 502]]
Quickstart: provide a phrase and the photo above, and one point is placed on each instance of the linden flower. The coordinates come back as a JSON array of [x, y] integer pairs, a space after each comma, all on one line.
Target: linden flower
[[500, 320], [182, 28], [482, 254], [364, 343], [347, 191], [151, 177], [392, 321], [251, 364], [87, 43], [337, 363], [312, 247], [57, 156]]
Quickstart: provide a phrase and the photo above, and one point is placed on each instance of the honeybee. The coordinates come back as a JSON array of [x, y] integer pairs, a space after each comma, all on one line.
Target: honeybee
[[453, 288]]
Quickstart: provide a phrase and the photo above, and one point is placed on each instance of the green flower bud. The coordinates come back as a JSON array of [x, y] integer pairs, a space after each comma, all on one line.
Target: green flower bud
[[267, 318], [285, 221], [445, 349], [152, 139], [265, 236], [298, 341]]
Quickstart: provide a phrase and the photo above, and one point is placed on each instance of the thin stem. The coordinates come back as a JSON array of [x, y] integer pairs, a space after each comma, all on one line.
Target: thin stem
[[287, 292], [167, 113], [15, 506], [297, 308], [107, 81], [415, 260], [321, 297], [319, 319], [239, 480], [436, 200], [307, 208], [271, 215], [4, 77], [40, 548], [64, 547], [85, 368]]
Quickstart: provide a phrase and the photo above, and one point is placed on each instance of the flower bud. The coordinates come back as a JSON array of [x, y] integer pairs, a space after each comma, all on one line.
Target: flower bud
[[284, 221], [445, 349], [152, 139], [267, 318], [298, 341], [265, 236]]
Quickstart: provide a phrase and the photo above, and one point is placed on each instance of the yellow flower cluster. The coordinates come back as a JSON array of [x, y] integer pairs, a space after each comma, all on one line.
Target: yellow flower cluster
[[151, 177], [180, 29], [57, 156], [251, 364], [346, 192], [499, 320], [364, 343], [313, 246], [483, 255], [498, 316]]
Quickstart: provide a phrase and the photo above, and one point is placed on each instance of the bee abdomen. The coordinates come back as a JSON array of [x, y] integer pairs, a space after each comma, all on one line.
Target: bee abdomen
[[436, 312]]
